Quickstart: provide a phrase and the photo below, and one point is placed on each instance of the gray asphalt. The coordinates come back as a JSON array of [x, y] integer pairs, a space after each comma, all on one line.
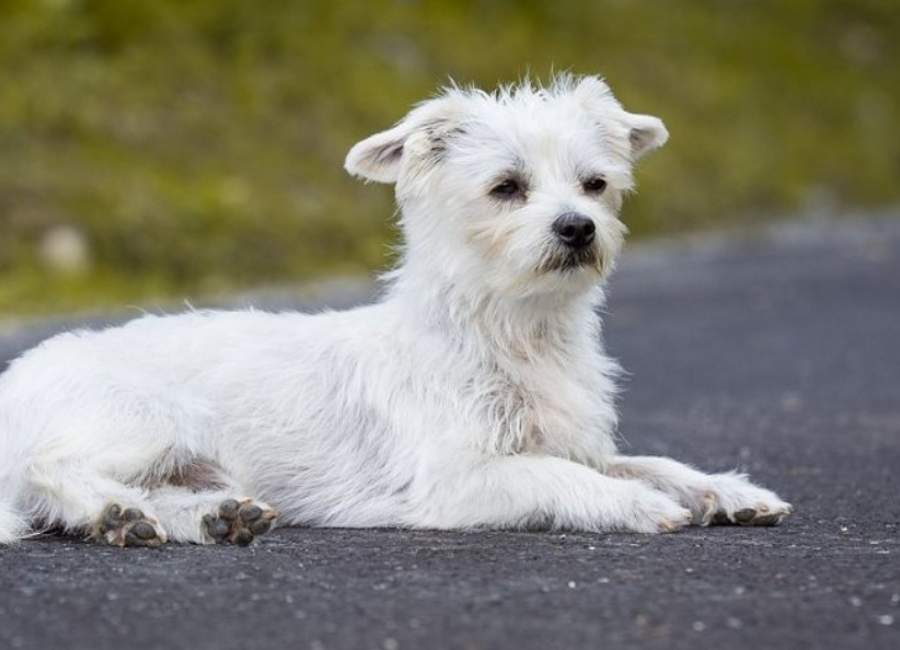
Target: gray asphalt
[[778, 353]]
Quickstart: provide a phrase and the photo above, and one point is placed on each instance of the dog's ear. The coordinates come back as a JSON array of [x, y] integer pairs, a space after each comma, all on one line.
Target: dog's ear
[[377, 158], [645, 132], [380, 157]]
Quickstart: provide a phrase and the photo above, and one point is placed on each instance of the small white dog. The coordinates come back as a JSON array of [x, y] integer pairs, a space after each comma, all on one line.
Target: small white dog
[[475, 394]]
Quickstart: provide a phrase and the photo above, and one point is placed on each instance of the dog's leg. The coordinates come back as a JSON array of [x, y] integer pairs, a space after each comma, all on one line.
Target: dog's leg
[[80, 500], [712, 498], [532, 491], [213, 517]]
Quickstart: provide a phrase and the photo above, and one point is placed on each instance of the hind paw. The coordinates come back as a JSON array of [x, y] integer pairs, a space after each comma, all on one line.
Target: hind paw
[[119, 526], [239, 522]]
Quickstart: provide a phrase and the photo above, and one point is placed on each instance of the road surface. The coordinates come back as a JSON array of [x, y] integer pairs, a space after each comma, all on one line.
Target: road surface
[[778, 353]]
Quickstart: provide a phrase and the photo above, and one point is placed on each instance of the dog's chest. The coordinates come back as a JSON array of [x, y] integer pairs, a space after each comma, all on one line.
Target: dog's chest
[[533, 411]]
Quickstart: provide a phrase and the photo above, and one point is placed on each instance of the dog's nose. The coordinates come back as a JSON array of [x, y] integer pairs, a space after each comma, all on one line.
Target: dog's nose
[[574, 230]]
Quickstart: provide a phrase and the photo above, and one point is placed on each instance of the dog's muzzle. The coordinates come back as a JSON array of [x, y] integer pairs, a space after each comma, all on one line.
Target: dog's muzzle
[[575, 246]]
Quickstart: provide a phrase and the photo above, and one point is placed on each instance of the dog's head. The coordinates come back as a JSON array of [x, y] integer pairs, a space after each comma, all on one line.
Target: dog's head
[[519, 189]]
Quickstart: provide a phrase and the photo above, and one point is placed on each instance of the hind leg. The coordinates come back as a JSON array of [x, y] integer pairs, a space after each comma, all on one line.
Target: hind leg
[[85, 502], [211, 517]]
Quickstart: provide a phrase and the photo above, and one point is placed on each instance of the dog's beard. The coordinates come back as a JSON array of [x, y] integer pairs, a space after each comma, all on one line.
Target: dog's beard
[[565, 260]]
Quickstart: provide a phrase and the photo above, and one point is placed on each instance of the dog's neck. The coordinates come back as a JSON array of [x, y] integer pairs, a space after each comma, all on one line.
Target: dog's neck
[[508, 329]]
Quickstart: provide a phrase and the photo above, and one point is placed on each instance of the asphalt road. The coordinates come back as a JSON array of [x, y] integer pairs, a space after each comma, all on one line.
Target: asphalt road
[[780, 354]]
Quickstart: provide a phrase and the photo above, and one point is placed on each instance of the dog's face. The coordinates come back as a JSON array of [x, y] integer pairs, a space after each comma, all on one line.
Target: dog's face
[[518, 190]]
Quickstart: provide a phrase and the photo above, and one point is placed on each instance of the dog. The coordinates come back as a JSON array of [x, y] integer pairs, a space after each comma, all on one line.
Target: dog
[[475, 393]]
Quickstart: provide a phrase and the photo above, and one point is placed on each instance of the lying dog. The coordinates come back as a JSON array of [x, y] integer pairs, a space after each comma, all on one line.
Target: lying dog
[[475, 394]]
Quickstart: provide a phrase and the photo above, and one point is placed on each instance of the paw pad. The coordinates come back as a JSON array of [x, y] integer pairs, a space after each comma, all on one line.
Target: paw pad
[[127, 527], [238, 522], [758, 516]]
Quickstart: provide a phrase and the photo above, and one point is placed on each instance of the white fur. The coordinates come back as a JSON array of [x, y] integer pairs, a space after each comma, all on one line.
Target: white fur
[[475, 393]]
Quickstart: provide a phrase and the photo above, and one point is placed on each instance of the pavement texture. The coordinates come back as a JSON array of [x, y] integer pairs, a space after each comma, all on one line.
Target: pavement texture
[[778, 353]]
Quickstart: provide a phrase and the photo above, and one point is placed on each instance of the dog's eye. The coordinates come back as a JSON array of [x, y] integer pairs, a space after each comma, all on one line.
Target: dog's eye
[[594, 185], [508, 189]]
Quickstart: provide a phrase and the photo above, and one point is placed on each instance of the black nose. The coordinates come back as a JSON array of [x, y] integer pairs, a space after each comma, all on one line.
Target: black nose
[[575, 230]]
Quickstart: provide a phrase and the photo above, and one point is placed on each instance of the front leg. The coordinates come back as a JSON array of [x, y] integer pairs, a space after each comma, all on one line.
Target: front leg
[[540, 492], [712, 498]]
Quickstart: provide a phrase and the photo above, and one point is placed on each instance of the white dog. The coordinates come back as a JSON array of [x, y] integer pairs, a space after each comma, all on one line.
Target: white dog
[[475, 394]]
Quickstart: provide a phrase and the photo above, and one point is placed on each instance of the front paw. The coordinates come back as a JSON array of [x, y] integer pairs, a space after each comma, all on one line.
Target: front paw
[[733, 500], [651, 511]]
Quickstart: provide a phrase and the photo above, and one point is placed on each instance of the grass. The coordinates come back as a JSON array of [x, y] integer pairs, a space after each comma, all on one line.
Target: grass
[[197, 146]]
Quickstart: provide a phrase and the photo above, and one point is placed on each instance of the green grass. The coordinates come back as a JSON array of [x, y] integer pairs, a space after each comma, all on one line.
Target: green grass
[[198, 146]]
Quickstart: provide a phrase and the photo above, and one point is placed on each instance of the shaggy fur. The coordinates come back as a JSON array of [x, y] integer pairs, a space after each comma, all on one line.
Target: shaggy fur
[[475, 394]]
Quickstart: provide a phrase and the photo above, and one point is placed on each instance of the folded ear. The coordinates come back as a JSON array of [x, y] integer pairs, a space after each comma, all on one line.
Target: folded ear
[[645, 133], [377, 158], [380, 157]]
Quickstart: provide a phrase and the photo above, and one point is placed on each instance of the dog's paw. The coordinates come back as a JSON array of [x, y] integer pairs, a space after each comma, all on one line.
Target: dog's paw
[[652, 511], [733, 500], [120, 526], [239, 522]]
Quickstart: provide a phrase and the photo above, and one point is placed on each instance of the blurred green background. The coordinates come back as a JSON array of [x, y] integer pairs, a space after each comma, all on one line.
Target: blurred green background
[[172, 148]]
